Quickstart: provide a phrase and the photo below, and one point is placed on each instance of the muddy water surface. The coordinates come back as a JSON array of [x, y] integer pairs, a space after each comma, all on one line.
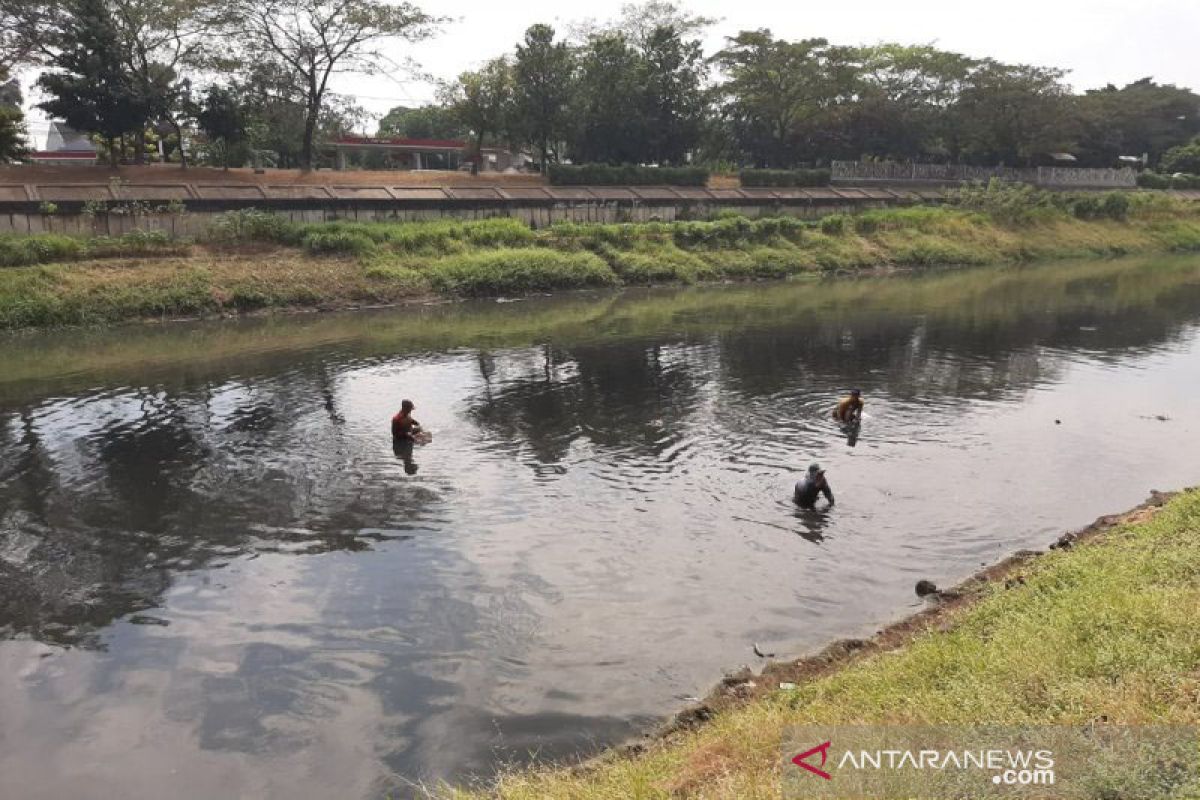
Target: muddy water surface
[[217, 578]]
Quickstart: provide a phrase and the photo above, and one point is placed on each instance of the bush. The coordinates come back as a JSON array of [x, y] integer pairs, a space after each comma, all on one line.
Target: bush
[[1182, 158], [252, 225], [134, 243], [834, 224], [626, 175], [1153, 180], [338, 242], [1007, 203], [518, 271], [40, 248], [785, 177]]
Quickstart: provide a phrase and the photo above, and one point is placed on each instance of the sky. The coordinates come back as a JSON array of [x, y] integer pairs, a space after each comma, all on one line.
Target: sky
[[1099, 41]]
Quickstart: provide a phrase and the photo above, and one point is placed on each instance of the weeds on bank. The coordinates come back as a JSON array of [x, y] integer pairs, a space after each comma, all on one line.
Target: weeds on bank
[[44, 248]]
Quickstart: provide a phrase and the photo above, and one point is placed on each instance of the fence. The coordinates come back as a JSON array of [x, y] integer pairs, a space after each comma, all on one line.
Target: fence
[[1050, 177]]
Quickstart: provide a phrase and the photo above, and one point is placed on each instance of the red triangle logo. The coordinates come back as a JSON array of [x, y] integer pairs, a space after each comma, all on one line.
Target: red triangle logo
[[823, 749]]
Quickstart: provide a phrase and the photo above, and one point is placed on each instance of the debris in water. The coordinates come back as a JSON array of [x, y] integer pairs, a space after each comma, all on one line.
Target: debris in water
[[758, 652], [926, 588], [1058, 422]]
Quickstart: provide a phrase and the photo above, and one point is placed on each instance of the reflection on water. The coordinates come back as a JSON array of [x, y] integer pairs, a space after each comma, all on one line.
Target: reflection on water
[[218, 577]]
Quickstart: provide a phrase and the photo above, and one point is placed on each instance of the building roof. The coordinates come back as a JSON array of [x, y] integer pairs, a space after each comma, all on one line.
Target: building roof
[[62, 138]]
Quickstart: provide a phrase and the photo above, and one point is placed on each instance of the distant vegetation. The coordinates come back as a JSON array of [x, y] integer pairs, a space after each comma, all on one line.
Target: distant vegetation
[[785, 177], [246, 81], [625, 175]]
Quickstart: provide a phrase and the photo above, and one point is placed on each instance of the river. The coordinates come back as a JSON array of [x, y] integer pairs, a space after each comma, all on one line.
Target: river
[[217, 579]]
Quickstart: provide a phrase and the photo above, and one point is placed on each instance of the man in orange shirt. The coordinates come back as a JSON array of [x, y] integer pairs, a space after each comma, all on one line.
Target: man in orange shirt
[[849, 409], [404, 427]]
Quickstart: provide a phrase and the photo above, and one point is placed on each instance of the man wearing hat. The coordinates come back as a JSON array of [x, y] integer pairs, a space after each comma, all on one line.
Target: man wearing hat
[[811, 486]]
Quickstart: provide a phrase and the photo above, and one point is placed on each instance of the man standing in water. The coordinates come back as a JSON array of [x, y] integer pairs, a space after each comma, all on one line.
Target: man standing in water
[[849, 409], [811, 486], [404, 427]]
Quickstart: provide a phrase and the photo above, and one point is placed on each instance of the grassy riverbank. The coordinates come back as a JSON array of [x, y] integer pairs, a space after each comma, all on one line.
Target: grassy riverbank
[[255, 261], [1103, 630]]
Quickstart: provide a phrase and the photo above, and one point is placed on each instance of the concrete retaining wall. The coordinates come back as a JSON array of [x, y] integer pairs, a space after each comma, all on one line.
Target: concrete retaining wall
[[103, 210]]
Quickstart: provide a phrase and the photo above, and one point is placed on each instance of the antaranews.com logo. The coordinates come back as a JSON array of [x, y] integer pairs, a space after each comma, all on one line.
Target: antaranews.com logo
[[1011, 767], [953, 761]]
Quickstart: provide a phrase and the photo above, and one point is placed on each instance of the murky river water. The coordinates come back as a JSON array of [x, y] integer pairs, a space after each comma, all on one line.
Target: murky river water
[[218, 580]]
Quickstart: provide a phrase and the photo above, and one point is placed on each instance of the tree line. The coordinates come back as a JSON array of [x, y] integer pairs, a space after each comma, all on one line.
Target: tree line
[[253, 77]]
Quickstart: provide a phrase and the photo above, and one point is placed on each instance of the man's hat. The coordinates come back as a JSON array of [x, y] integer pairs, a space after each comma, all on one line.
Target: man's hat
[[814, 468]]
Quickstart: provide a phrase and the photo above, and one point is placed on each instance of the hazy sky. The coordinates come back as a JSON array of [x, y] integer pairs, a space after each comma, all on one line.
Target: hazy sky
[[1099, 41]]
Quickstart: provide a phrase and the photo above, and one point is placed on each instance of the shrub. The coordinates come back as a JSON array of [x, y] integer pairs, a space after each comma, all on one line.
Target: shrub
[[518, 271], [338, 242], [17, 251], [252, 225], [834, 224], [498, 232], [656, 262], [1152, 180], [134, 243], [626, 175], [1007, 203], [1182, 158], [785, 177]]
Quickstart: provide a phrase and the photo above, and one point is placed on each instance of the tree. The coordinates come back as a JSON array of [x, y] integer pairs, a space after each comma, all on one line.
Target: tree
[[482, 100], [672, 102], [1182, 158], [13, 144], [1012, 114], [90, 88], [774, 93], [902, 96], [543, 77], [423, 122], [223, 119], [307, 42], [153, 43], [608, 127], [1141, 117]]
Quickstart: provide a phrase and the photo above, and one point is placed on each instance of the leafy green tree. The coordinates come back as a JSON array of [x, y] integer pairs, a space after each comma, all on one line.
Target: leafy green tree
[[1142, 117], [1182, 158], [672, 99], [774, 94], [223, 118], [13, 143], [90, 87], [608, 126], [423, 122], [308, 42], [903, 95], [482, 100], [543, 76], [1012, 114]]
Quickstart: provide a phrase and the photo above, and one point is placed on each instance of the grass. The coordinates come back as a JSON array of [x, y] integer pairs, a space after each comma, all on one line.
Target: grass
[[43, 248], [1106, 629], [57, 280]]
